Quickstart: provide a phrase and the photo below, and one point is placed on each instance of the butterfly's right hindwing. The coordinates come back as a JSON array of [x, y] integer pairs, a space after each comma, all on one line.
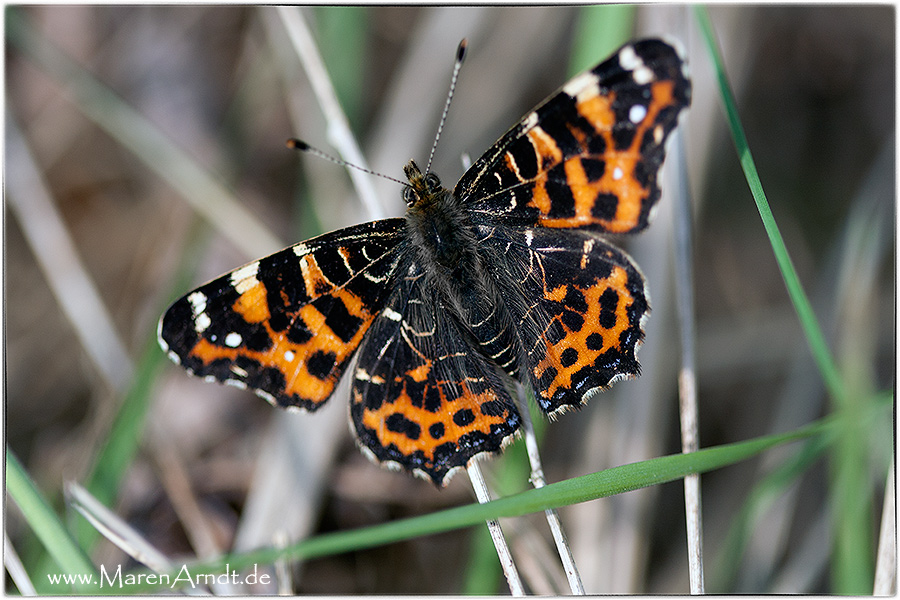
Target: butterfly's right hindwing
[[422, 396]]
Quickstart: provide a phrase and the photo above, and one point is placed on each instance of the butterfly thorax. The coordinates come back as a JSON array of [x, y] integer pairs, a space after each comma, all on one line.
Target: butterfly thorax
[[440, 228], [445, 241]]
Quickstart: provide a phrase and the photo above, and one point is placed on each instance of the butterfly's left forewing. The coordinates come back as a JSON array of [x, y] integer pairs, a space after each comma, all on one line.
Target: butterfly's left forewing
[[589, 156], [287, 325]]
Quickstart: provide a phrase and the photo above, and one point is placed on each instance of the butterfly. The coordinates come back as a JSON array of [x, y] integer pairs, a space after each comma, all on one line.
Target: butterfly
[[503, 279]]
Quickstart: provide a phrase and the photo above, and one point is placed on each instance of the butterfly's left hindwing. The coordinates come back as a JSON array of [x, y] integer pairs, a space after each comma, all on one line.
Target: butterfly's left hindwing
[[287, 325], [579, 304]]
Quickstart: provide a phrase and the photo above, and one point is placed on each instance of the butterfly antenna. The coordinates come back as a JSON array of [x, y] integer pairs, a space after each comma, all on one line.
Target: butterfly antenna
[[460, 56], [304, 147]]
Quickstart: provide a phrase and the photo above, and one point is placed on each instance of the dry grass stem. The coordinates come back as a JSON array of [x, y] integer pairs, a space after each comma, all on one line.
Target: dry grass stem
[[886, 559], [538, 481], [687, 376], [339, 133], [16, 570], [282, 571], [177, 483], [506, 560], [120, 533], [56, 252]]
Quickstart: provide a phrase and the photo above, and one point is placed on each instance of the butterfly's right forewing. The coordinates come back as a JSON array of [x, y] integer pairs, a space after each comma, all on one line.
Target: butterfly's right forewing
[[286, 326]]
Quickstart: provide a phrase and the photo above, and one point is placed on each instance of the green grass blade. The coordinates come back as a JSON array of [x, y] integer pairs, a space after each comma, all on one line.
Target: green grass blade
[[599, 31], [121, 445], [342, 33], [46, 525], [814, 336], [612, 481], [850, 494], [853, 557]]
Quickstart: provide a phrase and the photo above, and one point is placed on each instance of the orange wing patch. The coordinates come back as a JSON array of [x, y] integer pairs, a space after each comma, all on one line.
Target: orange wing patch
[[620, 184], [309, 370], [414, 431], [604, 319]]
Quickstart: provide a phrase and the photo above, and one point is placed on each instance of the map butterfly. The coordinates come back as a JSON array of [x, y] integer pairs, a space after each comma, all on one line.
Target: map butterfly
[[504, 279]]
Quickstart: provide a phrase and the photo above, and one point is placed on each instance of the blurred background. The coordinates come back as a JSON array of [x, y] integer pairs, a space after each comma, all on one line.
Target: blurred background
[[145, 155]]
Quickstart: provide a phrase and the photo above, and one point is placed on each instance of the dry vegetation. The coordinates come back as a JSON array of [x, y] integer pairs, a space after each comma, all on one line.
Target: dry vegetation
[[218, 469]]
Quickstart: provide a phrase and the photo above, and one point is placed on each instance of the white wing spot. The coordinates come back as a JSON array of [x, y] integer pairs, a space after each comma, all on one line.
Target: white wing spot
[[201, 322], [289, 356], [391, 314], [301, 250], [245, 278], [618, 173], [363, 375], [233, 339], [198, 303], [658, 134], [642, 75], [629, 60], [637, 113], [589, 92], [583, 87], [529, 121], [576, 83]]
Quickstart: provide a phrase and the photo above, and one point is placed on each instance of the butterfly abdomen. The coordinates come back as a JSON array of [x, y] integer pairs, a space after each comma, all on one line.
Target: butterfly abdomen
[[445, 241]]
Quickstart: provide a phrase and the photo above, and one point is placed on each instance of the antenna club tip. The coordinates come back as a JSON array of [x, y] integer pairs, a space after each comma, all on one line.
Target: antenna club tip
[[461, 50], [297, 144]]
